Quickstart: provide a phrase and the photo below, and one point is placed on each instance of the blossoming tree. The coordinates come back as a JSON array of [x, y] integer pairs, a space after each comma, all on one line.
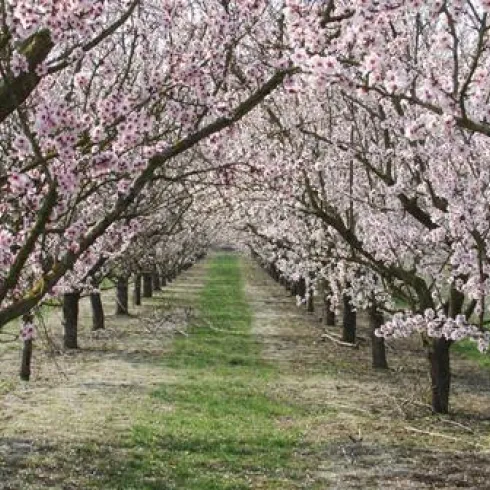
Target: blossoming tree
[[97, 100]]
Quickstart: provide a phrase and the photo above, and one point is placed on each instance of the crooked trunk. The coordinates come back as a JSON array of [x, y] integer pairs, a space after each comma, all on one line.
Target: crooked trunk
[[122, 296], [98, 318], [147, 286], [349, 321], [25, 367], [440, 373], [70, 319], [377, 343], [137, 290]]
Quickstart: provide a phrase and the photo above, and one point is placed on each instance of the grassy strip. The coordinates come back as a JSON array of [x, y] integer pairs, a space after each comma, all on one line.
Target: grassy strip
[[221, 430], [469, 350]]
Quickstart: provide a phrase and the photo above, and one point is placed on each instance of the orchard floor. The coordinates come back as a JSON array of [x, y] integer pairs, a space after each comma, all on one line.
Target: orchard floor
[[221, 382]]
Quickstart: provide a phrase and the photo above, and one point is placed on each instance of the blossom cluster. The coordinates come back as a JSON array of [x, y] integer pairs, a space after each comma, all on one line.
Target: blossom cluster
[[434, 325], [27, 331]]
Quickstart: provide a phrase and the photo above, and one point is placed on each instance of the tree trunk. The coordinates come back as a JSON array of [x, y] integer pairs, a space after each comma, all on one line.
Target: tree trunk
[[137, 290], [156, 282], [349, 321], [98, 319], [302, 287], [328, 314], [147, 286], [377, 343], [70, 319], [25, 367], [122, 296], [440, 372], [163, 280], [310, 308]]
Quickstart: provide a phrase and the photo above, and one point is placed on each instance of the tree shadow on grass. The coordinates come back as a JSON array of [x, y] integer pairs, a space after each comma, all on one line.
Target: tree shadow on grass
[[64, 465], [150, 462]]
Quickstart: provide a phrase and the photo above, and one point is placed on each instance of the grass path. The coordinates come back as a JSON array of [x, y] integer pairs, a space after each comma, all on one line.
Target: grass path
[[222, 430]]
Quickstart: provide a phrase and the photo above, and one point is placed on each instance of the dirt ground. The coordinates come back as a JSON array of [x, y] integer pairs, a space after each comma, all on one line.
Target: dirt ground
[[364, 429]]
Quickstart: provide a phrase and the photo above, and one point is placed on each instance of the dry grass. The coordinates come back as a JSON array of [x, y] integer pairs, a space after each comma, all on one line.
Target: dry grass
[[78, 400], [371, 429]]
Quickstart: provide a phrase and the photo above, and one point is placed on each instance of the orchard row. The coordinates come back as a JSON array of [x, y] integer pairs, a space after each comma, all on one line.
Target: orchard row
[[345, 142]]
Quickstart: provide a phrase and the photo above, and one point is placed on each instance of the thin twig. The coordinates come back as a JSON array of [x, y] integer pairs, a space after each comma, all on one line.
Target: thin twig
[[457, 424], [49, 342], [429, 433], [339, 342], [338, 336]]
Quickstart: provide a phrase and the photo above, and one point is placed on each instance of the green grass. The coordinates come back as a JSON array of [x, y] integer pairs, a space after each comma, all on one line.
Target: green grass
[[468, 350], [465, 348], [221, 429]]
